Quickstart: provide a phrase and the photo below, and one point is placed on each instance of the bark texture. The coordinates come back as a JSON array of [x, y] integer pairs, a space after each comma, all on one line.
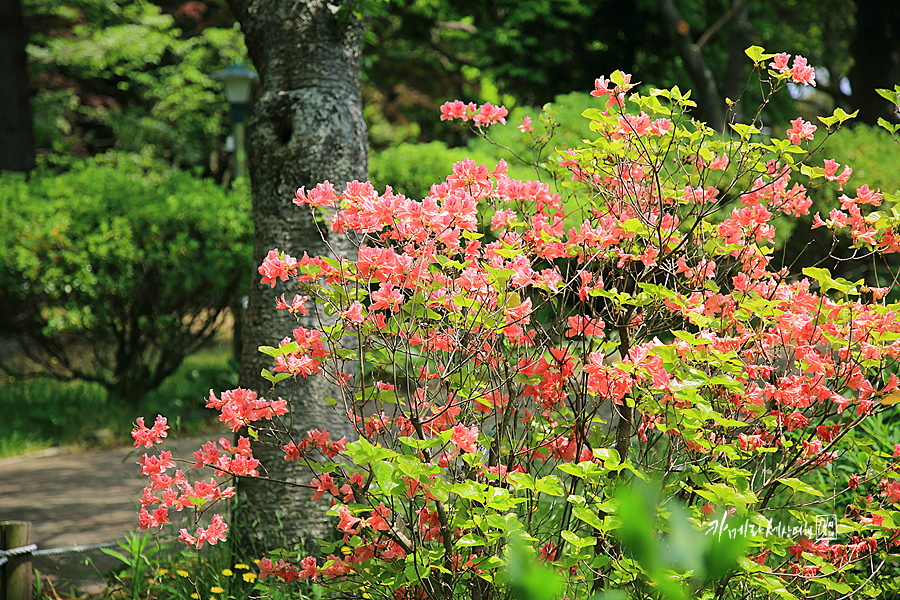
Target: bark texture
[[306, 126]]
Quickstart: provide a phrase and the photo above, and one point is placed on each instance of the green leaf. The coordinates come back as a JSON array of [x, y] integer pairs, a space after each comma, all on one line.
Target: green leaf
[[363, 452], [617, 77], [469, 540], [577, 541], [521, 480], [800, 486], [471, 491], [826, 282], [386, 476], [890, 127], [836, 586], [607, 454], [754, 52], [745, 131], [273, 352], [267, 375], [585, 514], [549, 485], [892, 96]]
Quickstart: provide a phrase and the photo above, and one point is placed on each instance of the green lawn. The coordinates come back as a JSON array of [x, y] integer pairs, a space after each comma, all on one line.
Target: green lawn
[[40, 412]]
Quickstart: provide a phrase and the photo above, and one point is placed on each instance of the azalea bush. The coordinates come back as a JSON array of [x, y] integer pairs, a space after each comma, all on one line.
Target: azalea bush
[[515, 356]]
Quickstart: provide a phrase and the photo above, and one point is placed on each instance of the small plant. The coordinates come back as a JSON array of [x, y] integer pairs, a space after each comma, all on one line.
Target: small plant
[[136, 552]]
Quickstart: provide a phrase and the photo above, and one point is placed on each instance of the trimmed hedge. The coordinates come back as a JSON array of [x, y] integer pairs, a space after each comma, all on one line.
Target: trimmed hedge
[[114, 271]]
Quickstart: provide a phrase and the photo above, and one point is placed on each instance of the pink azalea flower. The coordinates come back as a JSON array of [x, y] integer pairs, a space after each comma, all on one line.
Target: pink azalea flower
[[659, 127], [274, 268], [355, 313], [296, 305], [457, 110], [322, 195], [526, 125], [803, 73], [308, 569], [780, 63], [147, 437], [465, 437], [489, 114], [801, 130], [216, 530]]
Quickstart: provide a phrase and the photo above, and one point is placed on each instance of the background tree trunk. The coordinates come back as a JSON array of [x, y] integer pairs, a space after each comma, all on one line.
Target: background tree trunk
[[876, 58], [306, 126], [710, 105], [16, 128]]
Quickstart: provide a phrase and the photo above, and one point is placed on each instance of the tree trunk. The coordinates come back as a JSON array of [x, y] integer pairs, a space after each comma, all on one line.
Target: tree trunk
[[740, 33], [16, 128], [710, 104], [305, 127], [876, 58]]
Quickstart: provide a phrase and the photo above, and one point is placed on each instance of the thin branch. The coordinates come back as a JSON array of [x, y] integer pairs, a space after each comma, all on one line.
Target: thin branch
[[715, 27]]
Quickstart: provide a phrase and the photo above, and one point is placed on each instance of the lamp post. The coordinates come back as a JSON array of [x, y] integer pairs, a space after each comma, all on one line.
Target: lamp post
[[238, 80]]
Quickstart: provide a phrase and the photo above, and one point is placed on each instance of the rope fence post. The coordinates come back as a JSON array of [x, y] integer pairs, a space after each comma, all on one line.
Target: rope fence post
[[15, 583]]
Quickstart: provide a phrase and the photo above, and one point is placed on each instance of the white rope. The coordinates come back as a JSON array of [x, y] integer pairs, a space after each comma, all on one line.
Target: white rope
[[32, 549]]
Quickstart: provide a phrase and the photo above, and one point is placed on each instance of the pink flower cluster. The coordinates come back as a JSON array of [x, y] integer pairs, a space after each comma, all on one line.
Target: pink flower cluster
[[212, 534], [231, 460], [800, 130], [462, 305], [146, 437], [485, 115], [320, 440], [240, 407], [174, 491], [605, 87], [801, 72], [274, 267], [322, 195]]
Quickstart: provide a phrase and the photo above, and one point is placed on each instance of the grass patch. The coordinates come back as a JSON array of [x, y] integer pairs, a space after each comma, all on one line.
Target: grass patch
[[40, 412]]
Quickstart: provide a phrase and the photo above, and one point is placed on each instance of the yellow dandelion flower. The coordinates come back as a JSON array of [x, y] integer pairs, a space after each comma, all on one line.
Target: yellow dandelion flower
[[182, 573], [227, 572], [216, 589], [249, 577], [241, 566], [195, 596]]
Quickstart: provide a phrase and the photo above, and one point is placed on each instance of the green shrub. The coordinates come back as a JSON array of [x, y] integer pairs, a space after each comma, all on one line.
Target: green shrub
[[411, 168], [115, 271], [868, 150]]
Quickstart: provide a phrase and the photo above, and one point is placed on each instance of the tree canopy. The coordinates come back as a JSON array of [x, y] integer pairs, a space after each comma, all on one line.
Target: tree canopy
[[135, 73]]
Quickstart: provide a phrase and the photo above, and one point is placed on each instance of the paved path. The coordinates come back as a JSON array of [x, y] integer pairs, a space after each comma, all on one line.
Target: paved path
[[76, 499]]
